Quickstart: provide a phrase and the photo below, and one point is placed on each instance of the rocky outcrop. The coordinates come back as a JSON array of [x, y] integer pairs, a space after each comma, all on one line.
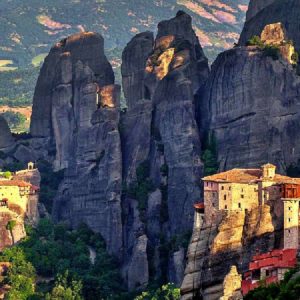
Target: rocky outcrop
[[76, 107], [253, 117], [220, 248], [284, 11], [255, 6], [10, 234], [86, 47], [6, 139], [160, 136]]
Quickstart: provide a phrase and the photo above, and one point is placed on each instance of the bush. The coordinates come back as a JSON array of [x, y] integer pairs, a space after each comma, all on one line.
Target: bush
[[209, 156], [255, 41], [50, 250], [271, 51], [166, 292]]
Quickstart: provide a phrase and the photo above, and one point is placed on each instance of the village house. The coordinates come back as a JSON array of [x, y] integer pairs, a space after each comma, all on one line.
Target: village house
[[268, 267], [244, 189], [19, 194]]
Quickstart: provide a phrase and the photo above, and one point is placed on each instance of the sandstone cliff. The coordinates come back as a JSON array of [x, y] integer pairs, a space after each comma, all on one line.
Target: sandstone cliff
[[220, 248]]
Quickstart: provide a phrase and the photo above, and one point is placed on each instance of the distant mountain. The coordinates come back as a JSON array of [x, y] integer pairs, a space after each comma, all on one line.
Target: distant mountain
[[29, 28]]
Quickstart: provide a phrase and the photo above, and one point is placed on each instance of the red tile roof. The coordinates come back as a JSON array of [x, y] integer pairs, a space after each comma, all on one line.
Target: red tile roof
[[285, 258], [19, 183], [248, 176], [199, 205]]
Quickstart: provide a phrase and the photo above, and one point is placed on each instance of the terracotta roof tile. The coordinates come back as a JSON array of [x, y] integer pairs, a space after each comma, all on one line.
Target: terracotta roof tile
[[248, 176], [19, 183], [236, 175]]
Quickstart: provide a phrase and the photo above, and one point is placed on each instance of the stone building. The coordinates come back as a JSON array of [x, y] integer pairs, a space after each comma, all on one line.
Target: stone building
[[245, 189]]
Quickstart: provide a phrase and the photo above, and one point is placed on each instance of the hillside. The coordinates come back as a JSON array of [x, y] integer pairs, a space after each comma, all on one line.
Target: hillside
[[28, 30]]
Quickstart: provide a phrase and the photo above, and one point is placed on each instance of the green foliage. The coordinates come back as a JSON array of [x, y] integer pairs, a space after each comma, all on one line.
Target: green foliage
[[295, 57], [164, 169], [21, 275], [142, 187], [255, 41], [293, 170], [180, 240], [11, 225], [271, 51], [13, 167], [50, 250], [209, 156], [50, 181], [268, 50], [65, 288], [165, 292], [7, 174], [164, 213], [18, 86], [15, 120], [287, 289]]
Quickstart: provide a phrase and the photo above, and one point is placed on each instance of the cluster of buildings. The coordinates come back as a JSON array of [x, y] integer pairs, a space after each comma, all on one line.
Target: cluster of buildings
[[245, 189], [19, 192]]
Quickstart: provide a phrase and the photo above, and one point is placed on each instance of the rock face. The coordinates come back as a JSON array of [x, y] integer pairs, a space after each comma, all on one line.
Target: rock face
[[218, 249], [250, 113], [76, 106], [160, 135], [255, 6], [284, 11], [6, 138], [86, 47], [10, 237]]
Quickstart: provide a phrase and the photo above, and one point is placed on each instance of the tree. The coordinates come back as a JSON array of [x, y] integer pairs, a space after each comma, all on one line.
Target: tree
[[165, 292], [10, 226], [65, 288]]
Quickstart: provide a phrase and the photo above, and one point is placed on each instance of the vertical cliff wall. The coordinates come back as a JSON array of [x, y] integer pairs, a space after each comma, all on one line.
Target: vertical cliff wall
[[76, 106], [229, 243], [252, 104], [144, 164], [160, 134]]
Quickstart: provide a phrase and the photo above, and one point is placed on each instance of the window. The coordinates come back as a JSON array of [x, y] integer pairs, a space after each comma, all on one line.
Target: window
[[242, 190], [225, 206], [289, 219], [242, 196], [290, 208], [240, 206], [224, 197], [222, 188], [230, 188]]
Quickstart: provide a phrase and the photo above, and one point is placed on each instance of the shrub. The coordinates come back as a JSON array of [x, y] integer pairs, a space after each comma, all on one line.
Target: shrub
[[271, 51], [255, 41]]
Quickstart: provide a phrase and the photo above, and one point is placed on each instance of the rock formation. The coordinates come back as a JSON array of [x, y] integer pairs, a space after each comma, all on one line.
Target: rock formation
[[284, 11], [76, 107], [159, 129], [255, 6], [250, 103], [10, 237], [218, 248], [6, 138], [250, 113]]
